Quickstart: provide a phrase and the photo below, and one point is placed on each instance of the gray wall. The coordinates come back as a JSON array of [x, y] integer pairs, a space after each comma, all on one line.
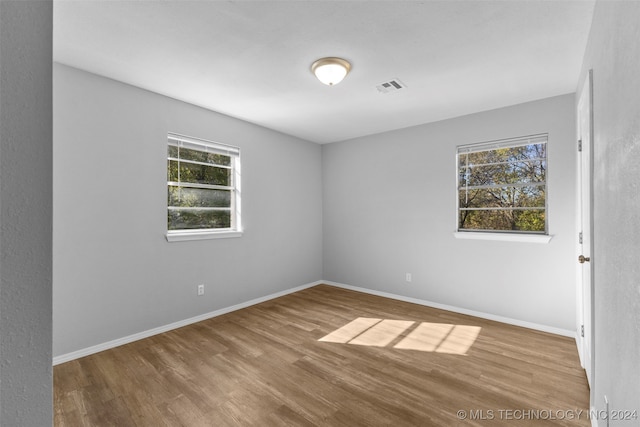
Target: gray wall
[[390, 208], [25, 213], [114, 273], [613, 52]]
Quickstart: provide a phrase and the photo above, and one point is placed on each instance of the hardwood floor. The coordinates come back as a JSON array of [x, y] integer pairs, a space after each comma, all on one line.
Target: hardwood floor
[[330, 357]]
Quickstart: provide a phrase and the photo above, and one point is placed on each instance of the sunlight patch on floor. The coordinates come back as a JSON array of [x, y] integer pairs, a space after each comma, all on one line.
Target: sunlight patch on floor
[[382, 333], [406, 335]]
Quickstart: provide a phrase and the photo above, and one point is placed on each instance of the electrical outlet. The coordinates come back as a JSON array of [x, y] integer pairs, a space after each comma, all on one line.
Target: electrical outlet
[[408, 277], [200, 290]]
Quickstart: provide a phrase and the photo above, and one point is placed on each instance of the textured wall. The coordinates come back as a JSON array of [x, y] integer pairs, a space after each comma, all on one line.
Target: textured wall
[[25, 213], [114, 272], [613, 53], [390, 208]]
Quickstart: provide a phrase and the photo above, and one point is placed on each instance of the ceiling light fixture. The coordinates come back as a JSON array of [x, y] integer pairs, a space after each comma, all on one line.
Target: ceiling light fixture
[[331, 71]]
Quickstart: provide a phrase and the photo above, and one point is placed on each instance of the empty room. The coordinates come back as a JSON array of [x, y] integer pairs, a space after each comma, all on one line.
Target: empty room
[[322, 213]]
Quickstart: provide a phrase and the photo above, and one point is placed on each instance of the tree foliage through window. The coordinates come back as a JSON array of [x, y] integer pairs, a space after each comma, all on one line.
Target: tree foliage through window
[[502, 186], [200, 180]]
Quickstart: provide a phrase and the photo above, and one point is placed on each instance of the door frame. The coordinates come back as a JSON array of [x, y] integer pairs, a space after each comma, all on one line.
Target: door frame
[[585, 286]]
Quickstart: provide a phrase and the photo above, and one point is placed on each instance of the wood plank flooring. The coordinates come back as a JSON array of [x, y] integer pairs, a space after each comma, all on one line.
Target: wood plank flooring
[[326, 356]]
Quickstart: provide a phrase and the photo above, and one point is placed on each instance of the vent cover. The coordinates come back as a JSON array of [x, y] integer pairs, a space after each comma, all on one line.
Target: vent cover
[[392, 85]]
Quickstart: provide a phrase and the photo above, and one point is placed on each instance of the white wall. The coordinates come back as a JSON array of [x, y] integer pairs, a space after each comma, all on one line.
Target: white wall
[[387, 203], [613, 52], [25, 213], [390, 208], [114, 273]]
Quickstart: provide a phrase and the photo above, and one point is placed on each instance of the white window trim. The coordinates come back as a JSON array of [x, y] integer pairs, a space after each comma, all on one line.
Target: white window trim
[[236, 220], [506, 236], [186, 235]]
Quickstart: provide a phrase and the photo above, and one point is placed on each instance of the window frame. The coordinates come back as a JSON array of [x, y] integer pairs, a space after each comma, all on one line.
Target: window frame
[[203, 145], [504, 235]]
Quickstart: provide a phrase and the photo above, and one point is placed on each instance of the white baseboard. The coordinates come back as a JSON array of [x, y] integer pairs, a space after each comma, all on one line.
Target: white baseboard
[[507, 320], [145, 334], [155, 331]]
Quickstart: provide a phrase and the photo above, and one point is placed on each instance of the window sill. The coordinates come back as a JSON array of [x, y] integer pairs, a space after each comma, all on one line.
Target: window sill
[[505, 237], [182, 236]]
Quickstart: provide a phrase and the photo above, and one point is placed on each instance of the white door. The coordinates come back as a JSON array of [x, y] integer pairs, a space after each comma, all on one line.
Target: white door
[[585, 229]]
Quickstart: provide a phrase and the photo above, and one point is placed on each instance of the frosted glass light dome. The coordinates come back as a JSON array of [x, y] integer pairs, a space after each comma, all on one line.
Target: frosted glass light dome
[[331, 71]]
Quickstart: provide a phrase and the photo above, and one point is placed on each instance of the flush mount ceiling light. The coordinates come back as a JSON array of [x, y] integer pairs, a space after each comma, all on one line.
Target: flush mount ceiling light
[[330, 71]]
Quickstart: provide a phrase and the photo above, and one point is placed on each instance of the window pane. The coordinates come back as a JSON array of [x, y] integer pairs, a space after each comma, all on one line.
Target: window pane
[[516, 180], [198, 197], [503, 220], [504, 173], [193, 167], [199, 156], [503, 197], [172, 171], [195, 219], [508, 154], [200, 174]]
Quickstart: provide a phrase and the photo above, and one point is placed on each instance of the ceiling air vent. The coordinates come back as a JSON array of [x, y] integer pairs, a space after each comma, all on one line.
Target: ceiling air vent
[[393, 85]]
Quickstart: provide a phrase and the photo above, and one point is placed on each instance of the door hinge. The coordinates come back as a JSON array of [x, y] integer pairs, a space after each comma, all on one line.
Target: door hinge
[[580, 237], [579, 145], [582, 331]]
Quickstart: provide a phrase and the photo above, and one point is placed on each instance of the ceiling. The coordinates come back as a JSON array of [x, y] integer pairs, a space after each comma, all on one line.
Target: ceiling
[[251, 59]]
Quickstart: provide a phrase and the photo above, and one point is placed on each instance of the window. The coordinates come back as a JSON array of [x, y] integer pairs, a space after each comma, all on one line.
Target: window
[[203, 184], [502, 186]]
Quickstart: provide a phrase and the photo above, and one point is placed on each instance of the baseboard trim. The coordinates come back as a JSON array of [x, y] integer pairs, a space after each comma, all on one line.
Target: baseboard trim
[[507, 320], [161, 329]]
